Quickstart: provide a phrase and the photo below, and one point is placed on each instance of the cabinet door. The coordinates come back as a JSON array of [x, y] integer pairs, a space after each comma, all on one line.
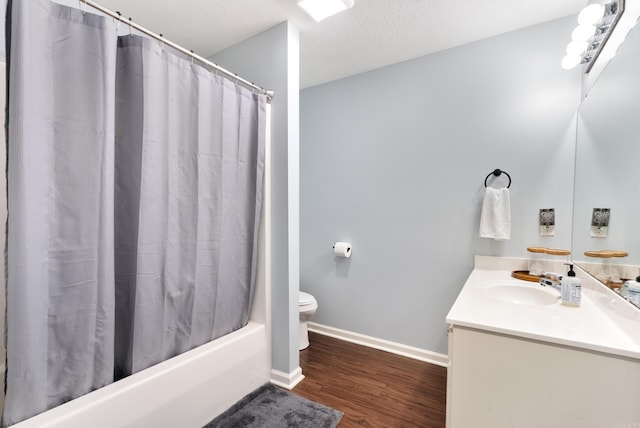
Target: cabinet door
[[502, 381]]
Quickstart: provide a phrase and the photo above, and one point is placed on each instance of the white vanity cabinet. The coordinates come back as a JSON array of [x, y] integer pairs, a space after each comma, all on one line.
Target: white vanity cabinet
[[518, 363], [496, 380]]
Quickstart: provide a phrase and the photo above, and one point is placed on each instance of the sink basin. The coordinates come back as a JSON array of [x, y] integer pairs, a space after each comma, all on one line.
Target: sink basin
[[522, 293]]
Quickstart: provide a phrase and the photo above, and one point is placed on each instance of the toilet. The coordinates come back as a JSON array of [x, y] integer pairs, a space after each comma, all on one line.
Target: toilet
[[307, 305]]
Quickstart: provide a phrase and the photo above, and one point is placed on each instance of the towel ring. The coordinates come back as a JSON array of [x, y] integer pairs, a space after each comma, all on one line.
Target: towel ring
[[497, 173]]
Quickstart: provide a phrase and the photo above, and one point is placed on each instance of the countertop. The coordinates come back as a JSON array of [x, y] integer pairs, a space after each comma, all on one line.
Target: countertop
[[597, 324]]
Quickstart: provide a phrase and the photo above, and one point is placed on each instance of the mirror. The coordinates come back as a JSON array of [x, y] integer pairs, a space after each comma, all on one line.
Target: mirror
[[608, 169]]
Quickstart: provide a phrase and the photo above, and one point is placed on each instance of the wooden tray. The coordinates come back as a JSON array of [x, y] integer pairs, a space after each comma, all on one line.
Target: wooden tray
[[524, 275]]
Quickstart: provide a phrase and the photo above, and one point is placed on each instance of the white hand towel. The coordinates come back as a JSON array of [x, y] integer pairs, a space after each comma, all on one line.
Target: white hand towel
[[495, 220]]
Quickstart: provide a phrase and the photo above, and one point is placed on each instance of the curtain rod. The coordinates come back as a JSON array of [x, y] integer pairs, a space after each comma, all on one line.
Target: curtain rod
[[179, 48]]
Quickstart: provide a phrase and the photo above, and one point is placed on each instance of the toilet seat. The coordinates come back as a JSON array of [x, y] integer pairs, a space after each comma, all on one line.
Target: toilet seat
[[305, 299], [307, 306]]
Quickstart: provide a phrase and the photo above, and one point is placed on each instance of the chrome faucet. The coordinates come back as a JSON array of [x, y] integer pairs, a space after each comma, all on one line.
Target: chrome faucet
[[551, 279]]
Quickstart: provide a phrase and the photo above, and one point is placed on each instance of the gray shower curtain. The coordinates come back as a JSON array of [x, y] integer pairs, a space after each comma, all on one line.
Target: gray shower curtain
[[134, 182]]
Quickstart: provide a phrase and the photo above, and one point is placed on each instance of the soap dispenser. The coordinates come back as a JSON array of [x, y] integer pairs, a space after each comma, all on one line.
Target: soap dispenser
[[571, 288]]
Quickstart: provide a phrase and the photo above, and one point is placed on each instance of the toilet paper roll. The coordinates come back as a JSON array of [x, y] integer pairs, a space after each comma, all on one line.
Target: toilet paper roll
[[342, 249]]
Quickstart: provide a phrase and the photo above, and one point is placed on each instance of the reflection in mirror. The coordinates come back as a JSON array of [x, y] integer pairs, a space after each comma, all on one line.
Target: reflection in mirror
[[608, 170]]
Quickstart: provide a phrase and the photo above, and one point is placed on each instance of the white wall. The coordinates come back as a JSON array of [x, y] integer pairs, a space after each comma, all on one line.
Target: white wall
[[394, 161]]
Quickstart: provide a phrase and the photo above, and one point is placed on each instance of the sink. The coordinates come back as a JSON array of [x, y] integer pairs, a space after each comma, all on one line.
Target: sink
[[521, 293]]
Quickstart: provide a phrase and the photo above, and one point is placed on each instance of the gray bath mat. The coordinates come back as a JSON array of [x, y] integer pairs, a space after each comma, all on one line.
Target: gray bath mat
[[272, 407]]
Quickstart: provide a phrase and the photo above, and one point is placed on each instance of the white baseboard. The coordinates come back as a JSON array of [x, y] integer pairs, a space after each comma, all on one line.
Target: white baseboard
[[286, 380], [381, 344]]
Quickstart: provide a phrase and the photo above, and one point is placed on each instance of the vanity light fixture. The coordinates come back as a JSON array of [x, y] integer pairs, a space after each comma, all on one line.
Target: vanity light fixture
[[321, 9], [596, 21]]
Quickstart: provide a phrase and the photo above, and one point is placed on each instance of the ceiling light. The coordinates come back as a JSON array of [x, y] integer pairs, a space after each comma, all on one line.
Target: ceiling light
[[321, 9], [591, 14]]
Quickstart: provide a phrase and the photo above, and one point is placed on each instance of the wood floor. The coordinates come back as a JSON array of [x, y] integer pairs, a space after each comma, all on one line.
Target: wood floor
[[373, 388]]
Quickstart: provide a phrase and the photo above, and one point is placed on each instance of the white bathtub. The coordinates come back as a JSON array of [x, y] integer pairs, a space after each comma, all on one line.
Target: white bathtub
[[186, 391]]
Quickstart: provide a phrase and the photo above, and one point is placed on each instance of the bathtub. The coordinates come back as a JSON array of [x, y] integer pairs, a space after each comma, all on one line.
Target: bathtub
[[187, 390]]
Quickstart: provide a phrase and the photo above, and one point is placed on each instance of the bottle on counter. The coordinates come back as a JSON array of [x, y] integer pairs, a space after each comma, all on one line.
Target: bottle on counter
[[571, 288]]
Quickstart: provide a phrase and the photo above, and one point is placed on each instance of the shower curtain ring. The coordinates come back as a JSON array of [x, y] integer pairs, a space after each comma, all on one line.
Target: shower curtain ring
[[83, 9], [191, 56], [130, 27], [119, 22]]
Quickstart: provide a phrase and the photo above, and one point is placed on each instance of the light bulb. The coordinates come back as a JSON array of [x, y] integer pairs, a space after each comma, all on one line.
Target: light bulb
[[591, 14], [321, 9], [582, 33], [577, 48], [570, 61]]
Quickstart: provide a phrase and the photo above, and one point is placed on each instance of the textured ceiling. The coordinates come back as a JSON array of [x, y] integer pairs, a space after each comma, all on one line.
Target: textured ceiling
[[372, 34]]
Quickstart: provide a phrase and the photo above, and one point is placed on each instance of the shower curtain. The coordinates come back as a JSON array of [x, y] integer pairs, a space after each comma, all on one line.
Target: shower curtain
[[134, 182]]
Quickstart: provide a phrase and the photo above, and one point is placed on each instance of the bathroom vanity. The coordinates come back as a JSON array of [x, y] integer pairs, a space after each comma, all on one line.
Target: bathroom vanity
[[519, 358]]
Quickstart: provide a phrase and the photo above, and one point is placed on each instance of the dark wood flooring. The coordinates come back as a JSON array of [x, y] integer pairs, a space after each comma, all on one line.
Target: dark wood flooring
[[373, 388]]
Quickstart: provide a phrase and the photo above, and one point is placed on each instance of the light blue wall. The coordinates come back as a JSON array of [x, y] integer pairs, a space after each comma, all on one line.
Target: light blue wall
[[394, 161], [271, 60]]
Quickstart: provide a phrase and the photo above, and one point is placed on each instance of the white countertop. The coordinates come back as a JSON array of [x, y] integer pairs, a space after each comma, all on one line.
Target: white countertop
[[596, 325]]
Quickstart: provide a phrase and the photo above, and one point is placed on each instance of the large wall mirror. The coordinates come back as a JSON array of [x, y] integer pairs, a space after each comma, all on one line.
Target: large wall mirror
[[608, 170]]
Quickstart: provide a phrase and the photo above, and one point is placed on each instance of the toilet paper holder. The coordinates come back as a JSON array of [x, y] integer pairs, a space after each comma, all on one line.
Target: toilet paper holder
[[342, 249]]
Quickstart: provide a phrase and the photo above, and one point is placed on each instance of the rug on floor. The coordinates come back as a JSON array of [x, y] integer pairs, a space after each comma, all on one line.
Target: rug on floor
[[273, 407]]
